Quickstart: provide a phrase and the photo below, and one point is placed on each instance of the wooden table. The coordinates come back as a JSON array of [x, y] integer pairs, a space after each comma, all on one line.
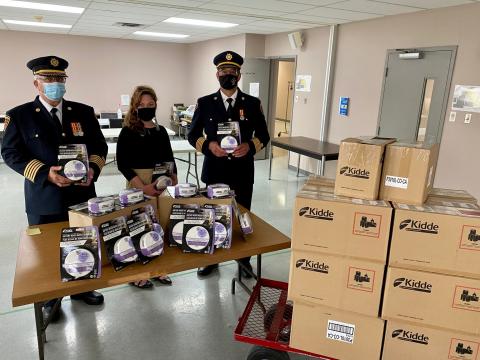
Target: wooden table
[[37, 273], [320, 150]]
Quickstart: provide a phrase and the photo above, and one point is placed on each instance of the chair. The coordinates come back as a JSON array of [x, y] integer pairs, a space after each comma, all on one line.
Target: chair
[[115, 123]]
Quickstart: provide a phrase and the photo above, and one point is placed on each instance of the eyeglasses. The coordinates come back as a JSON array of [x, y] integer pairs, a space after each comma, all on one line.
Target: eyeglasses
[[52, 79], [228, 71]]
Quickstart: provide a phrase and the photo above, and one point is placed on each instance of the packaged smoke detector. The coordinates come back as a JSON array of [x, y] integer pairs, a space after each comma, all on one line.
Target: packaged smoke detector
[[118, 243], [147, 242], [162, 174], [80, 253], [150, 211], [223, 225], [198, 230], [215, 191], [130, 196], [175, 226], [243, 219], [73, 158], [182, 190], [228, 135], [101, 205]]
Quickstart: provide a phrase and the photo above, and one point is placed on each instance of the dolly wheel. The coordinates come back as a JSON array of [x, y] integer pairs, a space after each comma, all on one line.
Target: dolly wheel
[[261, 353]]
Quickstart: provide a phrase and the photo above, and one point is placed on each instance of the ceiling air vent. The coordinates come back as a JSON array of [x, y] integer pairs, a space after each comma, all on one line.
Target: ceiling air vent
[[130, 25]]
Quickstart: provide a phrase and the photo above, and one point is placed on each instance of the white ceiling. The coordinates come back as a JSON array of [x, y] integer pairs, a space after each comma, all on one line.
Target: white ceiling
[[254, 16]]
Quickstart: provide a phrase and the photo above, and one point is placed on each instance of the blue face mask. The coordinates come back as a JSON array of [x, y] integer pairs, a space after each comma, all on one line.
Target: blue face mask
[[54, 91]]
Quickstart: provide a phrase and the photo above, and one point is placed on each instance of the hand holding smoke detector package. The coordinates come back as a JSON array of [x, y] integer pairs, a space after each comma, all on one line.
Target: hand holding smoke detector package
[[198, 230], [130, 196], [177, 217], [147, 242], [80, 253], [118, 243], [228, 135], [223, 226], [218, 191], [73, 158], [101, 205], [162, 174]]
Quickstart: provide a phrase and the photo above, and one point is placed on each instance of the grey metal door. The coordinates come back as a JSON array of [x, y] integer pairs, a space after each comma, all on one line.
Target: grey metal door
[[257, 71], [415, 93]]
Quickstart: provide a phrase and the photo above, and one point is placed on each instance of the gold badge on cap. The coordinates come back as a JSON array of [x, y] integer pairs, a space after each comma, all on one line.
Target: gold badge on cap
[[229, 56], [54, 62]]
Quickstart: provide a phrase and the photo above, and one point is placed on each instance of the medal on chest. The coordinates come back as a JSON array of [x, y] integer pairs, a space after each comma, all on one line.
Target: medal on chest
[[242, 114], [76, 129]]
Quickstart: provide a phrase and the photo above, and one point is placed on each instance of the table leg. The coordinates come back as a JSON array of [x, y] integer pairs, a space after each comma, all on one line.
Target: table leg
[[322, 169], [256, 276], [189, 165], [298, 165], [196, 171], [41, 338], [270, 165]]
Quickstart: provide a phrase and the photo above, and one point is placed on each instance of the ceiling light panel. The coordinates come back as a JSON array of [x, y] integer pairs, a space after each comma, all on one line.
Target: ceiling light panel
[[36, 24], [199, 22], [160, 35], [41, 6]]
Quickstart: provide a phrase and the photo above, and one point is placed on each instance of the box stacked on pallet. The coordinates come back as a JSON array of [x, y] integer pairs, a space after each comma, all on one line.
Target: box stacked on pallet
[[339, 249]]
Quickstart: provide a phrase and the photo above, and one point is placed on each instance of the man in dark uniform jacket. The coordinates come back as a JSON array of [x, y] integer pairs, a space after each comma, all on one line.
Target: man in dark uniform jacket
[[229, 104], [33, 132]]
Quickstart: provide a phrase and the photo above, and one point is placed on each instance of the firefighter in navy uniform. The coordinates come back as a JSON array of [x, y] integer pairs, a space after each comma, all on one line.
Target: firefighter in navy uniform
[[33, 132], [229, 103]]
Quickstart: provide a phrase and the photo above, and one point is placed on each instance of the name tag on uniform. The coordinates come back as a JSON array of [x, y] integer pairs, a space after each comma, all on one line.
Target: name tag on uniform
[[77, 129]]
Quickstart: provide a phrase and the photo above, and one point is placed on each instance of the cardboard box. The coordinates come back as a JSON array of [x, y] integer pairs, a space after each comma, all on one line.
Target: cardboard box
[[317, 188], [437, 239], [451, 202], [452, 194], [341, 226], [336, 333], [404, 341], [449, 302], [359, 167], [343, 283], [320, 180], [408, 172], [165, 202], [81, 218]]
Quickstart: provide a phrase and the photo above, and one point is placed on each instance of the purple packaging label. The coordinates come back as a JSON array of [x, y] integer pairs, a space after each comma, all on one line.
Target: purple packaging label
[[124, 251], [151, 244], [197, 238], [79, 262], [130, 196], [246, 223], [74, 170], [218, 190], [220, 234]]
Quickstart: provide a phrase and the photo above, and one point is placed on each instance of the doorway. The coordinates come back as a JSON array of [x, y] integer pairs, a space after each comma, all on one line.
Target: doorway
[[415, 93]]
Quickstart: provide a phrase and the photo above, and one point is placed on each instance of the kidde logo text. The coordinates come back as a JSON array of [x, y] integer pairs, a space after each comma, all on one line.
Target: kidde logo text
[[414, 285], [419, 226], [311, 265], [355, 172], [405, 335], [316, 213]]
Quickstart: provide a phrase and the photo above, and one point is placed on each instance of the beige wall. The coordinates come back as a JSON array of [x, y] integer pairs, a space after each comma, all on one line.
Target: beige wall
[[361, 53], [100, 69], [201, 71]]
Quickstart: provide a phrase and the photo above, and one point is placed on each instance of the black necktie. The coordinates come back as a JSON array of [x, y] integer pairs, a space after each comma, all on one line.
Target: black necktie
[[56, 120], [230, 109]]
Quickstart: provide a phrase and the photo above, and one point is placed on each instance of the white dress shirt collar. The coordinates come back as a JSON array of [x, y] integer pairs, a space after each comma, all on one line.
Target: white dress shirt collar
[[50, 107], [225, 97]]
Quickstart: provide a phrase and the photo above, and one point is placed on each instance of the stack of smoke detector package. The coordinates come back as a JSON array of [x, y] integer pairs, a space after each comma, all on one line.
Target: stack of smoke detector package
[[340, 244]]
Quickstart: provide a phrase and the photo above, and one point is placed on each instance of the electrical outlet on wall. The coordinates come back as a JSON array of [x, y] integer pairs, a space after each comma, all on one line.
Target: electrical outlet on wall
[[453, 116], [468, 118]]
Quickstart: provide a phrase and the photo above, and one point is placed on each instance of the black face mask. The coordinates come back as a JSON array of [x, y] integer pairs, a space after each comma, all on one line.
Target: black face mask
[[228, 81], [146, 114]]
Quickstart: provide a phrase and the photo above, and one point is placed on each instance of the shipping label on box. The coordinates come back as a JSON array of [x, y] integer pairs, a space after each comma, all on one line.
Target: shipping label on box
[[438, 239], [335, 333], [344, 283], [449, 302], [343, 226], [406, 341], [408, 172], [359, 167]]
